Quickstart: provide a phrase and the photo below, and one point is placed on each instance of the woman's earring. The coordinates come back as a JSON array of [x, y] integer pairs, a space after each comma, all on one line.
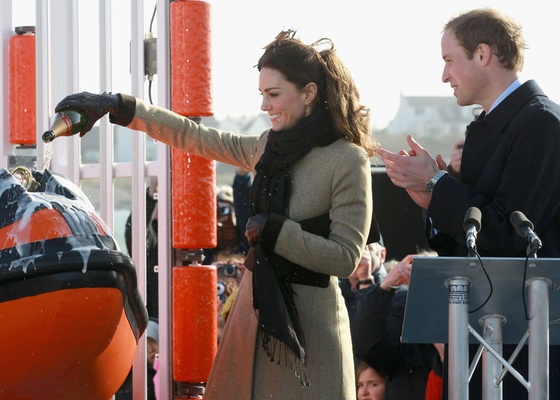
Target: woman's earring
[[307, 110]]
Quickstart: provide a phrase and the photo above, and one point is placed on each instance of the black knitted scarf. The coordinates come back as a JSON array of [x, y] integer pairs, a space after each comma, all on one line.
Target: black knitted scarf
[[272, 294]]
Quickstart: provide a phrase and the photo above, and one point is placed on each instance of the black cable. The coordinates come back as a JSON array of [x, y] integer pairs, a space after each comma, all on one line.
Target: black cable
[[530, 254], [489, 282], [153, 17], [150, 31]]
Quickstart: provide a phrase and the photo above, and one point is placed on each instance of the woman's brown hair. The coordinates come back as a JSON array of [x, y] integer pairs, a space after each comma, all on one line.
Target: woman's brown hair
[[337, 93]]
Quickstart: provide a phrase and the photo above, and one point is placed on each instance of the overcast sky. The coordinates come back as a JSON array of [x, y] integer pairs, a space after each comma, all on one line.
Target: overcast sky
[[391, 47]]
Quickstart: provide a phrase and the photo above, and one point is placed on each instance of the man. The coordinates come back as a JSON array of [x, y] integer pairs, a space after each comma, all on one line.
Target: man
[[509, 160]]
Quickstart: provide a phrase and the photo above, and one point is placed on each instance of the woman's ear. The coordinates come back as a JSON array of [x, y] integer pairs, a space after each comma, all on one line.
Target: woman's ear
[[310, 92]]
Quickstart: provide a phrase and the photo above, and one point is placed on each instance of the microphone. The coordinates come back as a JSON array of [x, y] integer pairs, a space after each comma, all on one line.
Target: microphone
[[524, 228], [471, 225]]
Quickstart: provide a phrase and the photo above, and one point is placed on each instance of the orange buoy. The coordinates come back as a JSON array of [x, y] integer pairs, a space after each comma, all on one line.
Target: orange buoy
[[194, 177], [191, 79], [195, 316], [22, 86], [193, 201]]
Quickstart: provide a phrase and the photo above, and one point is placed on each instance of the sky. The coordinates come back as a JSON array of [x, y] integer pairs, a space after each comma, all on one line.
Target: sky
[[392, 48]]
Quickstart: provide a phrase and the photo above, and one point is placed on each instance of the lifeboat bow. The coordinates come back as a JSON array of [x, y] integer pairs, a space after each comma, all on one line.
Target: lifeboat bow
[[70, 311]]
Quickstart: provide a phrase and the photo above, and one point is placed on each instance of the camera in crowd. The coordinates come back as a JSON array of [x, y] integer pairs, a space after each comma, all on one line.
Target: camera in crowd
[[221, 291], [228, 270]]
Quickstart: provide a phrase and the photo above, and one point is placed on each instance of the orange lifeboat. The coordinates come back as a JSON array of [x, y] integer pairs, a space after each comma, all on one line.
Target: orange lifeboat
[[70, 311]]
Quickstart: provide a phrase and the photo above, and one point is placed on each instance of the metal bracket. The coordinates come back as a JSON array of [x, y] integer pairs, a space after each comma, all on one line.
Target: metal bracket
[[150, 55]]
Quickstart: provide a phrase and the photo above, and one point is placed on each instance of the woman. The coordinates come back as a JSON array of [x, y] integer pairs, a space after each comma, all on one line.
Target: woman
[[370, 384], [312, 211]]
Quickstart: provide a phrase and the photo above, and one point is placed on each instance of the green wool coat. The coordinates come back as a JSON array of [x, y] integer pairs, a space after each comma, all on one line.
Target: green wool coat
[[336, 180]]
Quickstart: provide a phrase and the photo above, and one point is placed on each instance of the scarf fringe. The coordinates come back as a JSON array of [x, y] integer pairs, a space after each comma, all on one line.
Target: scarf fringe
[[275, 348]]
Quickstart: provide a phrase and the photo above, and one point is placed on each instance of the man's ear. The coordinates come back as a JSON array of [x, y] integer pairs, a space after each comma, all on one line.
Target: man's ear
[[484, 53]]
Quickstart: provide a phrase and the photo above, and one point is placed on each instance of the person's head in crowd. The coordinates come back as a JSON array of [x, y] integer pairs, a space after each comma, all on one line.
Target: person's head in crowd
[[378, 254], [370, 385], [228, 235]]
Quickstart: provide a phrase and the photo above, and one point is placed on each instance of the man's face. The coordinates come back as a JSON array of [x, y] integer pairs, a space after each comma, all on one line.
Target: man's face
[[377, 254], [462, 73]]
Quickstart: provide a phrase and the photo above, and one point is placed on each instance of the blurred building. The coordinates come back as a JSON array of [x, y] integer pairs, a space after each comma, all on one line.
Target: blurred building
[[430, 116]]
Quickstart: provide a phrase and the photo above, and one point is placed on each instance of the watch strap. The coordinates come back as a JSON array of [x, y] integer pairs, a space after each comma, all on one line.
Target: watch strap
[[432, 182], [368, 281]]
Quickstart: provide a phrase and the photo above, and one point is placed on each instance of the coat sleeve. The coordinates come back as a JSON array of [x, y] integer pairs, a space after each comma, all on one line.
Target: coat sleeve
[[184, 134], [521, 173], [338, 184]]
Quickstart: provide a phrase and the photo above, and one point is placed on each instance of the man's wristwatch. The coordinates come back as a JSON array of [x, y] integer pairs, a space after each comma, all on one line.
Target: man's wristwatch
[[432, 182], [368, 281]]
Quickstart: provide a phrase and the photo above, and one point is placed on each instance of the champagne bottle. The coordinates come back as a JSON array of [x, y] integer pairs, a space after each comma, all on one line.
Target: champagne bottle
[[67, 122]]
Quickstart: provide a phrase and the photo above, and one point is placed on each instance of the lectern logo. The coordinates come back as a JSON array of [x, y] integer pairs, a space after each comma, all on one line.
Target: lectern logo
[[458, 294]]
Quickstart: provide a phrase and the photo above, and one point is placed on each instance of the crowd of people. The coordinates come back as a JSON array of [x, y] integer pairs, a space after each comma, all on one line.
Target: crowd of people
[[317, 311]]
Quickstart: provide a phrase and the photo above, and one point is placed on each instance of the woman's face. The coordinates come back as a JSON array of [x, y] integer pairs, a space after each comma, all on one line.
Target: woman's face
[[284, 102], [371, 386]]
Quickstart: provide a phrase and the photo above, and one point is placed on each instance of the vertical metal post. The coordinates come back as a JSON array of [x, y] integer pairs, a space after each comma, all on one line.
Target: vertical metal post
[[106, 150], [106, 147], [139, 379], [491, 366], [6, 26], [458, 337], [538, 338], [62, 78], [42, 68], [165, 259]]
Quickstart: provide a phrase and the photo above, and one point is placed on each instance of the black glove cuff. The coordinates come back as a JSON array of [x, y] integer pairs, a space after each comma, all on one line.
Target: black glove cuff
[[271, 230], [126, 108]]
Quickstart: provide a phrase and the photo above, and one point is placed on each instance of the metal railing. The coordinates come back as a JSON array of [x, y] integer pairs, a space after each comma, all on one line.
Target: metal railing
[[60, 70]]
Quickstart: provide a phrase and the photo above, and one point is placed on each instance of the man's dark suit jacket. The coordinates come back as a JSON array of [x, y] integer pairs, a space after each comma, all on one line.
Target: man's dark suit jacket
[[510, 163]]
